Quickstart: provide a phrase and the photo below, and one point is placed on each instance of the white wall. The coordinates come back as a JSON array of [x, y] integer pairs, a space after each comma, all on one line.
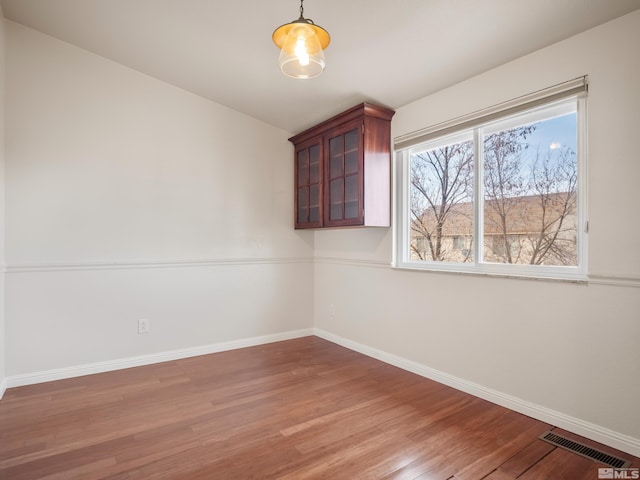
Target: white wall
[[572, 350], [2, 229], [128, 198]]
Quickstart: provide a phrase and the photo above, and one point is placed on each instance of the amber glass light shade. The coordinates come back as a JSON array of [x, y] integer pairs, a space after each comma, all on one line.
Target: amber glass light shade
[[302, 44]]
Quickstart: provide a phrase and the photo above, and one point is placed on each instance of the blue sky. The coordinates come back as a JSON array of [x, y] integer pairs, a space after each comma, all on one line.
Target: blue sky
[[556, 131]]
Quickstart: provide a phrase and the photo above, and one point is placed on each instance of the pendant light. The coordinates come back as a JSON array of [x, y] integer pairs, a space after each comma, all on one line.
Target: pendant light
[[302, 43]]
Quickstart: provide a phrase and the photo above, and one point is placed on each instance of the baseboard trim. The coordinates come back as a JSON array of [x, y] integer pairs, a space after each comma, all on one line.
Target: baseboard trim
[[3, 387], [580, 427], [140, 360]]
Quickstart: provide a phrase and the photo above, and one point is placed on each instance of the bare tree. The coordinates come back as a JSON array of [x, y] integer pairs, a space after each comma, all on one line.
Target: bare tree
[[554, 182], [441, 179], [504, 184], [529, 204]]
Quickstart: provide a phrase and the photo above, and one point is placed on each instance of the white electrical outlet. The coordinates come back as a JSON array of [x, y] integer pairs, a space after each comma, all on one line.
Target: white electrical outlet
[[143, 325]]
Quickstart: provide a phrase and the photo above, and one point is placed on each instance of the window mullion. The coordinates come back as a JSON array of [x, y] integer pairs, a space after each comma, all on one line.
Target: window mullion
[[478, 195], [404, 214], [406, 206]]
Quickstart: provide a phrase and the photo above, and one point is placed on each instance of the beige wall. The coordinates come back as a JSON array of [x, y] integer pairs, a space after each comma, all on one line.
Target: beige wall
[[128, 198], [2, 188], [572, 350]]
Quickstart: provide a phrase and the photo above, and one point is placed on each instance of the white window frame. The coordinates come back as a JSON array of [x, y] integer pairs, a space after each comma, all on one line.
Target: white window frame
[[500, 114]]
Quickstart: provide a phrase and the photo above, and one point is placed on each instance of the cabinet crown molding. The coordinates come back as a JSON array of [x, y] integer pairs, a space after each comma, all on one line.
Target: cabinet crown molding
[[362, 110]]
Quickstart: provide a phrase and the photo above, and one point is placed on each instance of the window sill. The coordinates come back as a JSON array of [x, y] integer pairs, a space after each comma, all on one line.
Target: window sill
[[564, 277]]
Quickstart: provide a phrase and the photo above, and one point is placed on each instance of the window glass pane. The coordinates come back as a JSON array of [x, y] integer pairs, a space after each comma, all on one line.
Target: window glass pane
[[303, 167], [351, 210], [335, 167], [350, 163], [314, 203], [336, 145], [351, 188], [336, 199], [441, 201], [314, 214], [351, 140], [351, 196], [530, 186], [336, 157], [303, 204], [314, 164], [351, 152]]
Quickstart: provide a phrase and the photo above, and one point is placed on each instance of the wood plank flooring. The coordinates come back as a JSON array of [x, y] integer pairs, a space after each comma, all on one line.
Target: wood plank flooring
[[300, 409]]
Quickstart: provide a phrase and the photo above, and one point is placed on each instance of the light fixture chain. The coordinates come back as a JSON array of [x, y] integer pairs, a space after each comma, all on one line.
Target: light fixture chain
[[301, 9]]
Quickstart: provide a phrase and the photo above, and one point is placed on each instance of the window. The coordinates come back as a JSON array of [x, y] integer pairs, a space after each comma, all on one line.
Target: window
[[502, 192]]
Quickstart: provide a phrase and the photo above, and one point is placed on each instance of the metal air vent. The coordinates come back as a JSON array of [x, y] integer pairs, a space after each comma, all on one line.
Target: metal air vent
[[584, 450]]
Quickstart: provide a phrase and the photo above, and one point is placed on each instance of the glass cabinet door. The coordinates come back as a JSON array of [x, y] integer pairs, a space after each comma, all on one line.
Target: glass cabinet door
[[344, 177], [308, 183]]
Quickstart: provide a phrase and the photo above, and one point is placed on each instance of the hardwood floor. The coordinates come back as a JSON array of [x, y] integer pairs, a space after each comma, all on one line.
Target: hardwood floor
[[300, 409]]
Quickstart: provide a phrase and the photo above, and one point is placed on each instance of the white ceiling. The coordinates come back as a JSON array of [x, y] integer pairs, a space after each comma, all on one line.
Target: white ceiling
[[389, 52]]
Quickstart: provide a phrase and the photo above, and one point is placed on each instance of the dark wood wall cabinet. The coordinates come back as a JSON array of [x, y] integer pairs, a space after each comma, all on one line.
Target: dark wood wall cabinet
[[343, 170]]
